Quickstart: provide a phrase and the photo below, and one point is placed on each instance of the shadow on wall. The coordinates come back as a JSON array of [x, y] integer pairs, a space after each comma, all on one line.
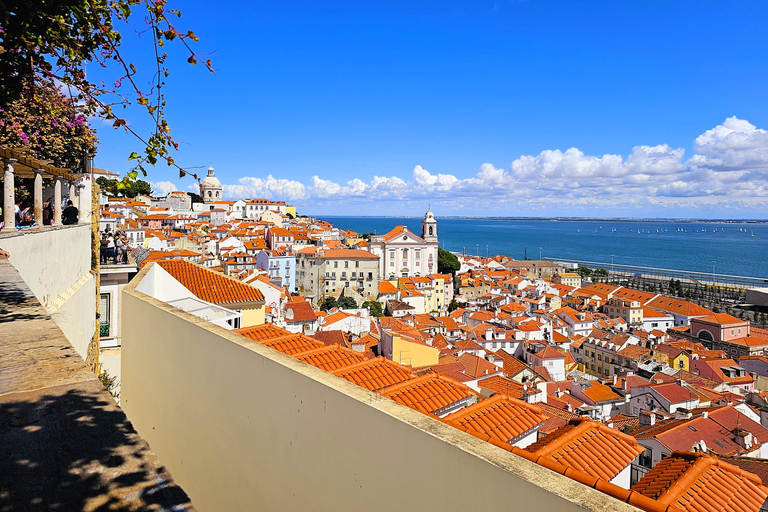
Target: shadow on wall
[[77, 451]]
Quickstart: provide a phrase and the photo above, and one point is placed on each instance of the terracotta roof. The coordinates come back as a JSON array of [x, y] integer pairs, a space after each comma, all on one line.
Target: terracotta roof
[[302, 312], [503, 385], [758, 467], [331, 358], [550, 353], [501, 417], [351, 254], [330, 337], [293, 344], [386, 287], [679, 306], [598, 392], [262, 332], [429, 393], [721, 318], [684, 434], [588, 446], [695, 481], [477, 366], [211, 286], [375, 374]]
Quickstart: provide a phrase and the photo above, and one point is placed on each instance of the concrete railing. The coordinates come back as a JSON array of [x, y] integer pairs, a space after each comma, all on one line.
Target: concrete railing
[[55, 262], [243, 427]]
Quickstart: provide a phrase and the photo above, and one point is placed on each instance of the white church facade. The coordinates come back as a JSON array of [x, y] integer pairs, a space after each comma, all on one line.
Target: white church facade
[[402, 253]]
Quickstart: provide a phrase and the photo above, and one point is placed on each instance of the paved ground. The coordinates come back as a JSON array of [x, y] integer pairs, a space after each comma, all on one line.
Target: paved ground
[[64, 443]]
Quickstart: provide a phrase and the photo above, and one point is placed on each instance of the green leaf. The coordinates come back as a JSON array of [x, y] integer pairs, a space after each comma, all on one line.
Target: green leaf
[[133, 156], [133, 175]]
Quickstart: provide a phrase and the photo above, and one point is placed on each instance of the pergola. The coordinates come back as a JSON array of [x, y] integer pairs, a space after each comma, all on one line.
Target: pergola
[[17, 164]]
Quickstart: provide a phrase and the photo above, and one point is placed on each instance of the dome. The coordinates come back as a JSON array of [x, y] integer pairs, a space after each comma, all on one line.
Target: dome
[[210, 181]]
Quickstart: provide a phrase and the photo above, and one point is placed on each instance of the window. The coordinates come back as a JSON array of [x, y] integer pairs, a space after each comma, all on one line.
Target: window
[[105, 313], [335, 264], [357, 264], [346, 264]]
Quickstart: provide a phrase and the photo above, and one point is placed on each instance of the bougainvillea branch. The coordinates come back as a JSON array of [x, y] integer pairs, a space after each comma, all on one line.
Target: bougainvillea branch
[[49, 40]]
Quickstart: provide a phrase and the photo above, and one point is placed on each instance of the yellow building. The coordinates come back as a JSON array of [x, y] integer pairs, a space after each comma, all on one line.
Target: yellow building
[[568, 279], [290, 210], [408, 351]]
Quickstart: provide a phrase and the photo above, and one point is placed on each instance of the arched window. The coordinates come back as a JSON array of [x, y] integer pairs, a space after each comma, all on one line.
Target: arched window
[[705, 335], [430, 230], [209, 193]]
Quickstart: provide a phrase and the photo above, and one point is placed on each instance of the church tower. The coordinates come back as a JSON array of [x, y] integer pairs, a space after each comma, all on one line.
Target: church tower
[[429, 227]]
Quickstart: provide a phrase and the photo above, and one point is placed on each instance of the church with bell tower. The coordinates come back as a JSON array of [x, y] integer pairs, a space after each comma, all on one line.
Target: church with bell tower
[[402, 253]]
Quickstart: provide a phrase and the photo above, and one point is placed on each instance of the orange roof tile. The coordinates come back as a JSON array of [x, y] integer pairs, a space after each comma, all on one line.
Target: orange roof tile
[[293, 345], [588, 446], [501, 417], [429, 393], [695, 481], [331, 358], [211, 286], [262, 332], [375, 374]]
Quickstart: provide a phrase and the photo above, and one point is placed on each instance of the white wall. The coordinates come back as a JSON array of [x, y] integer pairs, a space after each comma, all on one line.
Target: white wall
[[56, 265], [243, 427]]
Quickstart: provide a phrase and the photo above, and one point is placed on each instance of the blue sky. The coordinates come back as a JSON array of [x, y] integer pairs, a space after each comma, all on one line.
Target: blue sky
[[585, 108]]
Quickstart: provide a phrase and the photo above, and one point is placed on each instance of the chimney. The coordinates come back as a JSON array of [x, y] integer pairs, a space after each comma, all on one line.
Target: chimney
[[615, 379], [705, 414], [647, 418]]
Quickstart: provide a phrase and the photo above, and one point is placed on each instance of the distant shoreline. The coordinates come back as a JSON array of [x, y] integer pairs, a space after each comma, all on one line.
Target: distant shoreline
[[561, 219]]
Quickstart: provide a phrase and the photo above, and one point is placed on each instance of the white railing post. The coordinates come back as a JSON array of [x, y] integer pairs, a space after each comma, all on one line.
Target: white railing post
[[38, 192], [57, 201], [9, 197]]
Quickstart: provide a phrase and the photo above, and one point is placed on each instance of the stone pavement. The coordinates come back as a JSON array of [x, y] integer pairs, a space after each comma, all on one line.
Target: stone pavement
[[65, 445]]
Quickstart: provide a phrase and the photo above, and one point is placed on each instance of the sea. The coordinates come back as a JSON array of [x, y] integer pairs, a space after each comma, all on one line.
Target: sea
[[729, 248]]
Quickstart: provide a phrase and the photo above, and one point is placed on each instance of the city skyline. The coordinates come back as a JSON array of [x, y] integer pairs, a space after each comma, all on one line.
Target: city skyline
[[505, 109]]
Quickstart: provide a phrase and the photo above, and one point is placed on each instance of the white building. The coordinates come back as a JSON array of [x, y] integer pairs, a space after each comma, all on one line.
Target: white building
[[404, 254]]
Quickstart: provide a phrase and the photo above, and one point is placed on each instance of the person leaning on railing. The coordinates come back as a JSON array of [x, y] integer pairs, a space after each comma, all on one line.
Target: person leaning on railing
[[27, 223], [70, 214]]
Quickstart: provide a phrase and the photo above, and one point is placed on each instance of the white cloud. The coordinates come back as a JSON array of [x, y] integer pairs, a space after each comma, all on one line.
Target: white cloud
[[162, 188], [734, 145], [649, 176], [268, 188]]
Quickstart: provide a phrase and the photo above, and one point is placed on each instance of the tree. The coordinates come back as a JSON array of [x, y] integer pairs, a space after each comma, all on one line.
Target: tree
[[196, 198], [131, 189], [447, 263], [584, 272], [374, 306], [454, 305], [347, 303], [53, 41], [329, 303], [49, 124]]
